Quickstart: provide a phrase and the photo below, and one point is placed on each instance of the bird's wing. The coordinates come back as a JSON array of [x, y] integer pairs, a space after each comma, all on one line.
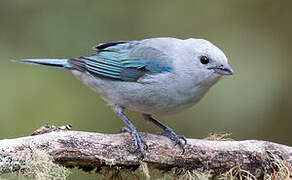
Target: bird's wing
[[122, 60]]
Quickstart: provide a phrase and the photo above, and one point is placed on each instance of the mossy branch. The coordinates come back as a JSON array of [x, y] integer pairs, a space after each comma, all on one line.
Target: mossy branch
[[94, 150]]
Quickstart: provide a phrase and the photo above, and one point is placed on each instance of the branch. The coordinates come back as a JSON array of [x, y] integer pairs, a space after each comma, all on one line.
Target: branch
[[94, 150]]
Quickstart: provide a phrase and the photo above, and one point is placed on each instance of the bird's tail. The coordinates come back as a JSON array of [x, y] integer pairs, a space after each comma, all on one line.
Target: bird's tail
[[56, 63]]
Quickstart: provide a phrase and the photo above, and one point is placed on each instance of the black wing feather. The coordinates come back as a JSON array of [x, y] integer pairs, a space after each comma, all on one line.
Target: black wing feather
[[108, 44]]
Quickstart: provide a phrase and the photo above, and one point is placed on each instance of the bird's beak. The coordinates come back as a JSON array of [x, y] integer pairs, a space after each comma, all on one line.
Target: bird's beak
[[223, 69]]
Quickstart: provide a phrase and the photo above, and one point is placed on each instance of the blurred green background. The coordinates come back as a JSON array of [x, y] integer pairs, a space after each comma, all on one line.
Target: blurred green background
[[256, 36]]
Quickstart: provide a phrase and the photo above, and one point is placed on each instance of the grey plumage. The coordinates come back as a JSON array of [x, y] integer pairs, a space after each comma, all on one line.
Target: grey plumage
[[154, 76]]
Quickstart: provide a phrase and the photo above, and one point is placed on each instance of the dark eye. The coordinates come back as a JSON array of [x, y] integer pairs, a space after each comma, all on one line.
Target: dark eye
[[204, 60]]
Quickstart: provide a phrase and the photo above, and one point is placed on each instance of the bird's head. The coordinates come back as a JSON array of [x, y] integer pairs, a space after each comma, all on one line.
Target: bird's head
[[206, 61]]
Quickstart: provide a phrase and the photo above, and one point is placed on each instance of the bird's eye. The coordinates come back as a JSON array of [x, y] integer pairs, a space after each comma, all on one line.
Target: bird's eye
[[204, 60]]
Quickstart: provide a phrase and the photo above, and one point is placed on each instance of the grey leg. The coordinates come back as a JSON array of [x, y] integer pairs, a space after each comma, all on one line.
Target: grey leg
[[168, 132], [139, 140]]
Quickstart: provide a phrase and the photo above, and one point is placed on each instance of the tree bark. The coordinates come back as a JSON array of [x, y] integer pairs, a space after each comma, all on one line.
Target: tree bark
[[94, 150]]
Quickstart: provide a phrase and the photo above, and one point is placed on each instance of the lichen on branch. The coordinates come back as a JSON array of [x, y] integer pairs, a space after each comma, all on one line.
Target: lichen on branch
[[101, 152]]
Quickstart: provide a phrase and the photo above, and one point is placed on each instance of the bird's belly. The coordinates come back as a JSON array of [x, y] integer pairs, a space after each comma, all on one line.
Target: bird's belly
[[154, 102], [149, 100], [146, 98]]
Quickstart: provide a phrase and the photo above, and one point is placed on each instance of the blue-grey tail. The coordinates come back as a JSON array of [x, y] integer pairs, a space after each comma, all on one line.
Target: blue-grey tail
[[56, 63]]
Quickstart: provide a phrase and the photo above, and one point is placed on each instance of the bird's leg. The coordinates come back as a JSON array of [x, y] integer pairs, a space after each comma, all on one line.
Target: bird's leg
[[168, 132], [139, 140]]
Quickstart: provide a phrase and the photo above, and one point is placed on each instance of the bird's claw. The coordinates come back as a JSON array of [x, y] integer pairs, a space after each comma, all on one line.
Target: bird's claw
[[140, 142], [125, 129], [176, 138]]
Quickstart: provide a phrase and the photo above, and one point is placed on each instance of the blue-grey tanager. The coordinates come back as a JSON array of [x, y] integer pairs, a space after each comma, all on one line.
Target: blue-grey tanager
[[156, 76]]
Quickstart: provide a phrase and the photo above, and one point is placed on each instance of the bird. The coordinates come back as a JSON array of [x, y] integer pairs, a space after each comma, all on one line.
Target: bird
[[154, 77]]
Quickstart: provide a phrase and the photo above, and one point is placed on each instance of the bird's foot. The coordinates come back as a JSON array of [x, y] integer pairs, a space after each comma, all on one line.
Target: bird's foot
[[140, 142], [176, 138]]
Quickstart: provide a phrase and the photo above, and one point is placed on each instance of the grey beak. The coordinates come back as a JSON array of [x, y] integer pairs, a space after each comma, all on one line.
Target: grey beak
[[223, 69]]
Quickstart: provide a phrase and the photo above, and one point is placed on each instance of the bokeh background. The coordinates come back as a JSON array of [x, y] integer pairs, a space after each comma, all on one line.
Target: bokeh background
[[256, 36]]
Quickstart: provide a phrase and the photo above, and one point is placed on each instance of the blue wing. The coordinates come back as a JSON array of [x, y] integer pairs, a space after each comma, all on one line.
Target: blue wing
[[126, 61]]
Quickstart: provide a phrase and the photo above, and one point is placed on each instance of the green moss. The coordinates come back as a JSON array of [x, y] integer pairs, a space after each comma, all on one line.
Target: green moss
[[40, 166]]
